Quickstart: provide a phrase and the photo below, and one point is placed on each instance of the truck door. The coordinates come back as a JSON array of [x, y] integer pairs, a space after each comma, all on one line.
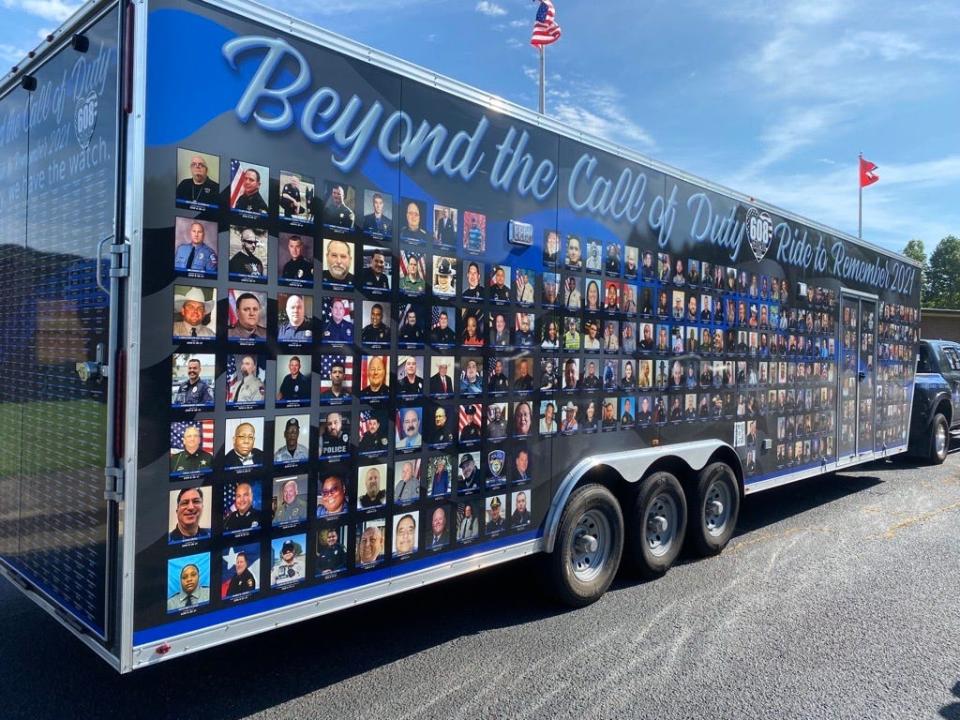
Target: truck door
[[857, 376], [950, 370]]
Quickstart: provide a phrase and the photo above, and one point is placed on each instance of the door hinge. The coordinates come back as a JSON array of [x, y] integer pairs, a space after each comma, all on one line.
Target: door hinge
[[113, 491], [120, 260]]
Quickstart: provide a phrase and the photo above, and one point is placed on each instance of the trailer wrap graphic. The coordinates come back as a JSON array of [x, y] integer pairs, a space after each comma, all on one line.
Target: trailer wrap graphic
[[382, 323]]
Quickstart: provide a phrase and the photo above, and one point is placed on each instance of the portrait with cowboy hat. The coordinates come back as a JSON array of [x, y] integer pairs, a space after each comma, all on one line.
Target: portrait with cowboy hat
[[192, 306]]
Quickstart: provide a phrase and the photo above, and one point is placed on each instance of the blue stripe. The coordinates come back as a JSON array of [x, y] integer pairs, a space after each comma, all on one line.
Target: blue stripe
[[243, 610]]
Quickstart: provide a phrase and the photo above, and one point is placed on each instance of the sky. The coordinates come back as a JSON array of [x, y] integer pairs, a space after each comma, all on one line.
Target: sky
[[772, 99]]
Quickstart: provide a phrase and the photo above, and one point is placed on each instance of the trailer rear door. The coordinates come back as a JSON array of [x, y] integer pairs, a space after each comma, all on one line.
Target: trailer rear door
[[858, 328]]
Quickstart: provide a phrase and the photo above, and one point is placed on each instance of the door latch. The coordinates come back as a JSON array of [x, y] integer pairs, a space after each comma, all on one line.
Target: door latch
[[96, 370]]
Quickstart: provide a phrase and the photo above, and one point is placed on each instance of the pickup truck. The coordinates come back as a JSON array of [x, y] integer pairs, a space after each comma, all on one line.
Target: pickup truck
[[936, 400]]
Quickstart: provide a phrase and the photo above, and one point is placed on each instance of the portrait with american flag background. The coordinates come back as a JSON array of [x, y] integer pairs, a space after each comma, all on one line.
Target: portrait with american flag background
[[335, 386]]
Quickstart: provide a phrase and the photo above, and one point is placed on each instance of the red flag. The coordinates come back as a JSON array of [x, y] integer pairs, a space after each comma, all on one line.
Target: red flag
[[867, 174], [545, 28]]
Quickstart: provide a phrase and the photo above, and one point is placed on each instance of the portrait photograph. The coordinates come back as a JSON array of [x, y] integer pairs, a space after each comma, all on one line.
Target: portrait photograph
[[246, 380], [336, 321], [242, 506], [248, 254], [198, 179], [406, 481], [474, 232], [370, 540], [337, 263], [414, 220], [246, 316], [339, 202], [243, 443], [195, 252], [291, 439], [240, 571], [446, 224], [288, 560], [295, 259], [249, 188], [294, 380], [335, 435], [188, 583], [377, 214], [336, 377], [189, 513], [413, 272], [405, 534], [331, 551], [370, 486], [191, 447], [193, 380], [295, 318], [377, 271], [194, 313], [296, 197]]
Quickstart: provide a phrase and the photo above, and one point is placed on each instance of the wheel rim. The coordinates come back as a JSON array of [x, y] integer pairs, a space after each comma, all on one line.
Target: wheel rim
[[660, 524], [716, 507], [592, 538], [940, 439]]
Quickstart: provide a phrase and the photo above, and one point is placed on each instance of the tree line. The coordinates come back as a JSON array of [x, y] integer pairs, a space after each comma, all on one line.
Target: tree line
[[940, 277]]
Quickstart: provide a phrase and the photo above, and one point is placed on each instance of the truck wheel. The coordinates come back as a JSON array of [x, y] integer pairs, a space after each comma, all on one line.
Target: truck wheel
[[714, 509], [589, 544], [658, 524], [939, 440]]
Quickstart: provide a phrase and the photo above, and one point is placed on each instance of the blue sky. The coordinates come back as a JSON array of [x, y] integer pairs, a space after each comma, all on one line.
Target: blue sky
[[772, 99]]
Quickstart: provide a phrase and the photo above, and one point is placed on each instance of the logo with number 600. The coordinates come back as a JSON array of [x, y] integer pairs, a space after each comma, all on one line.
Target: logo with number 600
[[86, 119], [759, 232]]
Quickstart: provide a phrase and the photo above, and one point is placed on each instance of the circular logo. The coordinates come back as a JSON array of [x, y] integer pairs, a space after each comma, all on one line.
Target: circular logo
[[759, 228], [85, 119]]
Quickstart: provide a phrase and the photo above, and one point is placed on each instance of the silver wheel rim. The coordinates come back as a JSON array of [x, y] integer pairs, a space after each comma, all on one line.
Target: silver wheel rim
[[940, 439], [660, 524], [716, 508], [590, 549]]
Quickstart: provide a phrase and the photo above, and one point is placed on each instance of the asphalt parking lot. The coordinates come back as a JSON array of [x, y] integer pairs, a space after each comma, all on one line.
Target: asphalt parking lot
[[839, 597]]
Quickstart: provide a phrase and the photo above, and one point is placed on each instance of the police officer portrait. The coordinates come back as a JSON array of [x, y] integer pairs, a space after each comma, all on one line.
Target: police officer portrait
[[288, 561], [335, 435], [336, 378], [338, 268], [370, 486], [289, 502], [239, 572], [295, 259], [247, 317], [193, 377], [191, 447], [469, 478], [474, 232], [293, 380], [195, 251], [376, 324], [445, 225], [405, 540], [248, 254], [194, 313], [331, 551], [291, 439], [336, 321], [189, 515], [412, 224], [246, 381], [377, 214], [377, 271], [296, 197], [409, 376], [410, 325], [371, 538], [244, 438], [188, 583], [294, 318], [443, 326], [241, 507], [198, 179], [248, 189], [444, 276], [374, 432], [339, 203]]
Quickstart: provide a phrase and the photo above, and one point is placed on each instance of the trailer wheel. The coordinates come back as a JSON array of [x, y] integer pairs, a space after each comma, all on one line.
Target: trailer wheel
[[588, 547], [658, 524], [939, 440], [714, 509]]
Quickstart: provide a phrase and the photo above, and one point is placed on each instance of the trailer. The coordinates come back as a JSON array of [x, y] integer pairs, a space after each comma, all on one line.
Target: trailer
[[292, 325]]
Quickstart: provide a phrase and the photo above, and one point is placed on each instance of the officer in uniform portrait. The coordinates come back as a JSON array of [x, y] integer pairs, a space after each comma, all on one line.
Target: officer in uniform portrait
[[193, 458], [292, 507], [290, 566], [292, 202], [471, 429], [295, 385], [407, 487], [412, 230], [469, 480], [331, 554], [495, 521], [377, 222], [442, 333], [471, 381], [338, 329], [408, 432], [499, 287], [521, 516], [410, 331], [250, 388], [377, 332], [194, 391], [375, 276], [249, 325], [189, 513], [193, 308], [196, 255], [244, 516], [297, 267], [297, 326], [191, 593], [378, 385], [335, 211], [199, 188], [374, 429], [292, 450], [250, 200], [243, 580], [338, 263], [374, 494], [440, 432], [409, 381]]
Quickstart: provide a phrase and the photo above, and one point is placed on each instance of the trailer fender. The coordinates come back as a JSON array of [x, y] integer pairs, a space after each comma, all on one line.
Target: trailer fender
[[631, 465]]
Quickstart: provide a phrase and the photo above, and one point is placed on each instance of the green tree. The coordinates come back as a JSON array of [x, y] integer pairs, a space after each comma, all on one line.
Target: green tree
[[944, 274], [916, 251]]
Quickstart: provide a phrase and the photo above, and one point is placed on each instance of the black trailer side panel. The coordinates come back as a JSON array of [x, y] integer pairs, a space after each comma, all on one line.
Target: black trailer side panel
[[57, 180]]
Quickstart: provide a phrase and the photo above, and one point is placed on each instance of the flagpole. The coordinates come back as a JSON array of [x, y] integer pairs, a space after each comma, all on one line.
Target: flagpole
[[543, 76], [860, 202]]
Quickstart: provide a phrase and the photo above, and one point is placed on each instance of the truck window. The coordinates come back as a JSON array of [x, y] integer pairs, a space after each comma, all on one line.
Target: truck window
[[952, 357], [924, 364]]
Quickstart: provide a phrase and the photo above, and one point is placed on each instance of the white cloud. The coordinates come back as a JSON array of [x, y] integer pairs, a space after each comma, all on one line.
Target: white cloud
[[519, 23], [598, 110], [11, 54], [485, 7], [57, 10]]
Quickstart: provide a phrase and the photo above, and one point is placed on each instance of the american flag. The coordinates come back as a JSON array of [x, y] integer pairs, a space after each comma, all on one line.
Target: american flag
[[236, 177], [365, 416], [230, 496], [177, 429], [326, 365], [545, 28]]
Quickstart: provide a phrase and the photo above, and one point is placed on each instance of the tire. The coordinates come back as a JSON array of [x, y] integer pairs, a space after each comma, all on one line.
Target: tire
[[657, 524], [939, 440], [588, 547], [714, 508]]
